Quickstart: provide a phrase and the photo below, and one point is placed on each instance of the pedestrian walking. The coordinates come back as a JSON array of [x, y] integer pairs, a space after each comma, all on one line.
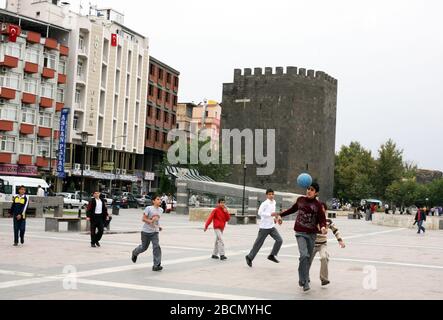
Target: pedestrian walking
[[420, 217], [321, 244], [218, 217], [40, 191], [150, 233], [19, 207], [310, 214], [97, 214], [267, 228]]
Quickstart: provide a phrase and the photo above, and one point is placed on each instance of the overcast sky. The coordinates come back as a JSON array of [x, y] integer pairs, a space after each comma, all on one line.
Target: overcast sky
[[386, 55]]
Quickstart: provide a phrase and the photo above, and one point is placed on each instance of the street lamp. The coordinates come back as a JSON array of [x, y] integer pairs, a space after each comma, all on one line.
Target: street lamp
[[244, 188], [84, 139], [113, 163]]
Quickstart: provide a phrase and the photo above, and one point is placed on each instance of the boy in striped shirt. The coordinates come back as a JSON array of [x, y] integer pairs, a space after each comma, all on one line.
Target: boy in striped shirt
[[321, 247]]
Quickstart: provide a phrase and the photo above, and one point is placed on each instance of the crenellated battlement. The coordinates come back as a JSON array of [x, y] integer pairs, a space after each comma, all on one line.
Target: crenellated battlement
[[301, 73]]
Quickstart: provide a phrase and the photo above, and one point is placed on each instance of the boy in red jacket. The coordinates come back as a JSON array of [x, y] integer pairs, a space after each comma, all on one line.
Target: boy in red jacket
[[219, 216]]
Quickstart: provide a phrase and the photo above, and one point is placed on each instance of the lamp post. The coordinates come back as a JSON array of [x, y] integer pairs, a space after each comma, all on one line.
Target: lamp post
[[44, 153], [84, 139], [244, 188], [113, 163]]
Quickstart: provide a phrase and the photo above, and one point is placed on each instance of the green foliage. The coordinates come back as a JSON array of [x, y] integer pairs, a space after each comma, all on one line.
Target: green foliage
[[389, 167], [354, 170]]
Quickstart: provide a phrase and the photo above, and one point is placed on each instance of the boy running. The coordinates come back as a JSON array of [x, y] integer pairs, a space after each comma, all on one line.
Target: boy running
[[267, 228], [219, 216], [150, 232]]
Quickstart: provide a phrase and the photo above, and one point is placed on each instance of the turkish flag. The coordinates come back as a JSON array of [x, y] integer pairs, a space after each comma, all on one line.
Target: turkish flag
[[114, 40], [13, 33]]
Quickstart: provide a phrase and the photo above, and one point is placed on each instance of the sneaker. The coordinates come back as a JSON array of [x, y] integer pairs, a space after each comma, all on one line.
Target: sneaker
[[214, 256], [301, 284], [97, 244], [223, 258], [157, 268], [306, 287], [273, 258], [92, 245], [134, 258], [15, 244], [248, 261], [325, 282]]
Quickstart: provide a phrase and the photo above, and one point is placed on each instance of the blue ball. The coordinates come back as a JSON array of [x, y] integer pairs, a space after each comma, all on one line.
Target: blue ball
[[304, 180]]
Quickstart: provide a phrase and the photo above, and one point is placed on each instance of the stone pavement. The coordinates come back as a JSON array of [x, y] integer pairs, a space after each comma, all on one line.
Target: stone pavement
[[378, 263]]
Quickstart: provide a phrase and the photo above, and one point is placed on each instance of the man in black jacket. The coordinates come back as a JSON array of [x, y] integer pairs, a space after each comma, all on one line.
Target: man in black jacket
[[96, 213]]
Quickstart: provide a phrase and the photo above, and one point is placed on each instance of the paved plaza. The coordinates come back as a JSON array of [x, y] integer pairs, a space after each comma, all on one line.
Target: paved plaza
[[378, 263]]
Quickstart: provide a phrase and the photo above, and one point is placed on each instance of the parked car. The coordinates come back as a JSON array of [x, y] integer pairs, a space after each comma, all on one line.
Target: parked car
[[127, 200], [107, 198], [71, 200], [143, 201]]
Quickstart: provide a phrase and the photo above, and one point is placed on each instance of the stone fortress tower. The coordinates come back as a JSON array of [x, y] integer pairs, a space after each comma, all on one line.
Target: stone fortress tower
[[301, 106]]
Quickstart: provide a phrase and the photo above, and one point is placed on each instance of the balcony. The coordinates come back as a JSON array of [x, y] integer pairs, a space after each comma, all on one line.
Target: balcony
[[82, 52], [51, 44], [9, 61], [79, 106], [7, 93], [29, 98], [42, 162], [33, 37], [44, 132], [46, 102], [61, 79], [59, 106], [31, 67], [48, 73], [25, 159], [26, 128], [64, 51], [5, 157]]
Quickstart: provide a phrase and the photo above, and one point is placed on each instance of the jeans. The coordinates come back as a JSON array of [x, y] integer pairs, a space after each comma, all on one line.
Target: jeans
[[306, 243], [19, 228], [146, 240], [420, 226], [262, 235]]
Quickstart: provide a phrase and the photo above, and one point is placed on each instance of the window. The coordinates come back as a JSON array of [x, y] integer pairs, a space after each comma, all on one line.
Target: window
[[175, 81], [56, 124], [151, 90], [117, 81], [140, 65], [32, 55], [160, 74], [149, 111], [166, 117], [175, 100], [42, 148], [77, 95], [75, 123], [159, 93], [28, 115], [148, 134], [7, 143], [79, 68], [167, 97], [62, 67], [10, 80], [49, 60], [129, 61], [44, 119], [26, 146], [60, 95], [13, 49], [157, 136], [47, 90], [151, 69], [8, 112], [173, 119], [157, 116], [168, 77], [81, 43], [207, 114], [30, 85], [165, 137]]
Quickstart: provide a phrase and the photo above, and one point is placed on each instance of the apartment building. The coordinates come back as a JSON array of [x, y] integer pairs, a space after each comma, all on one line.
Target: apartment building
[[33, 76], [106, 90], [161, 114]]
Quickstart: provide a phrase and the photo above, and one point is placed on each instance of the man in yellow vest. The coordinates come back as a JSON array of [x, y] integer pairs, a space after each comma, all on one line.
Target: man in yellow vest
[[18, 210]]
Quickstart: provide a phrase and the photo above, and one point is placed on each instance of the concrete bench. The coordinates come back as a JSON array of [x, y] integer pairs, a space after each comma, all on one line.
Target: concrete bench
[[243, 219], [332, 215], [354, 216], [52, 223]]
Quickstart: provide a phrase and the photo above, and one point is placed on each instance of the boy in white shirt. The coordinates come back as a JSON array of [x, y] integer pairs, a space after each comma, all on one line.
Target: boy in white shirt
[[267, 227]]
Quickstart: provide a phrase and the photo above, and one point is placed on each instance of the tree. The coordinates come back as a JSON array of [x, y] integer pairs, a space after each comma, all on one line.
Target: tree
[[389, 167], [212, 170], [436, 192], [405, 192], [354, 169]]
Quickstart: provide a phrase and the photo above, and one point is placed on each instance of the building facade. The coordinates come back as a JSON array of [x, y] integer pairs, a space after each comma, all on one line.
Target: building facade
[[107, 90], [161, 115], [301, 106], [33, 84]]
